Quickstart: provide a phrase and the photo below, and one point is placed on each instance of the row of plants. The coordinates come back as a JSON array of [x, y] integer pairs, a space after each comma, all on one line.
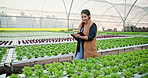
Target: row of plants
[[3, 51], [66, 48], [49, 40], [124, 65], [123, 33], [33, 41], [44, 50], [5, 42], [115, 43]]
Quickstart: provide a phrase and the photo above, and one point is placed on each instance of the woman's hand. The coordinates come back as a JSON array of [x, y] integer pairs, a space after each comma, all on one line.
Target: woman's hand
[[77, 35]]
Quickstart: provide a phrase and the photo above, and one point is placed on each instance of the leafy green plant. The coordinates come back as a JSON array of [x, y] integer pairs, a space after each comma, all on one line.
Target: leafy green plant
[[79, 70], [58, 74], [39, 72], [85, 74], [145, 76], [114, 69], [103, 77], [89, 67], [76, 76], [70, 71], [142, 70], [97, 67], [96, 73], [3, 51], [105, 63], [106, 71], [15, 76], [60, 67], [112, 63], [121, 67], [127, 74], [27, 71], [51, 70], [46, 76], [132, 70], [19, 57], [115, 76]]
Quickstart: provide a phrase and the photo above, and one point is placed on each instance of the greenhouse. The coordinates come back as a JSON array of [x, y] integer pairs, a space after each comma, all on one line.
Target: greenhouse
[[45, 38]]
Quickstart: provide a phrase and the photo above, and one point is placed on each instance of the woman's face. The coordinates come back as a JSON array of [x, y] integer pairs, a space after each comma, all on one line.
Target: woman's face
[[84, 17]]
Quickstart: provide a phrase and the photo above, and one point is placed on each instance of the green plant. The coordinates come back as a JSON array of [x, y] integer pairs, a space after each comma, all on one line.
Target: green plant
[[142, 70], [38, 67], [60, 67], [79, 70], [105, 63], [75, 76], [127, 74], [32, 77], [58, 74], [103, 77], [132, 70], [51, 70], [145, 76], [46, 76], [106, 71], [39, 72], [115, 76], [27, 71], [85, 74], [121, 67], [15, 76], [89, 67], [29, 56], [96, 73], [114, 69], [70, 71], [97, 67], [112, 63], [19, 58]]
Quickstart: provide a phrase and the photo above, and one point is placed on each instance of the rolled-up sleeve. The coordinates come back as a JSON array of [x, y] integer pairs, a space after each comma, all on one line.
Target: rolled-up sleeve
[[92, 32]]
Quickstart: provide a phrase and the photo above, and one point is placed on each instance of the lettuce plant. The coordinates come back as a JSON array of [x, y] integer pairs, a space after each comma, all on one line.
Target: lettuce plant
[[127, 74], [121, 67], [115, 76], [39, 72], [15, 76], [85, 74], [46, 76], [76, 76], [70, 71], [27, 71], [32, 77], [96, 73], [79, 70], [114, 69], [106, 71], [132, 70], [58, 74], [89, 67]]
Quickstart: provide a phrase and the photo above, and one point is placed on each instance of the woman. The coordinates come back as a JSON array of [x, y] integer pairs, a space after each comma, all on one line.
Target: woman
[[86, 47]]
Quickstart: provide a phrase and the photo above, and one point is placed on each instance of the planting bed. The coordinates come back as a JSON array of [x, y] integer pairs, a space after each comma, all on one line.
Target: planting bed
[[29, 52], [61, 52], [125, 65]]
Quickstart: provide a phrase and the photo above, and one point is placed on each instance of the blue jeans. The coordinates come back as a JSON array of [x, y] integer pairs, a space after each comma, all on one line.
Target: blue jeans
[[80, 54]]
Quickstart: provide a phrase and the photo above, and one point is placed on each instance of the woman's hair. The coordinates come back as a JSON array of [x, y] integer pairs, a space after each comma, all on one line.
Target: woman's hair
[[85, 11]]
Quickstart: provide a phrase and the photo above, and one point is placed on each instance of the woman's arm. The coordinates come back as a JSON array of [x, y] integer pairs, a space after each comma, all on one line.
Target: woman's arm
[[91, 35]]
